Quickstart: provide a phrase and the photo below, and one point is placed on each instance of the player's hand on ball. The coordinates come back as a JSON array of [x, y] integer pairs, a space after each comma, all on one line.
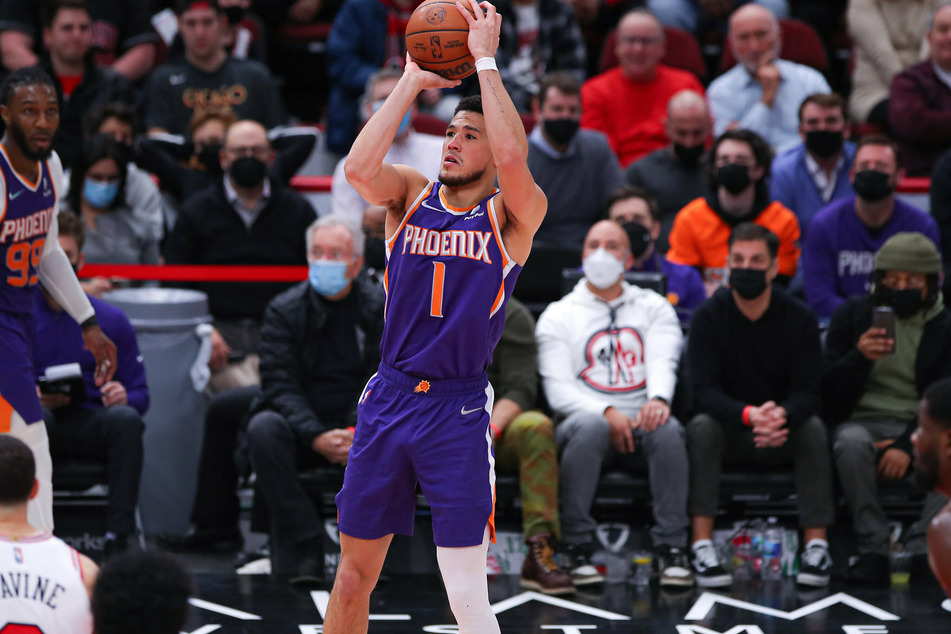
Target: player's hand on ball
[[484, 28], [428, 78]]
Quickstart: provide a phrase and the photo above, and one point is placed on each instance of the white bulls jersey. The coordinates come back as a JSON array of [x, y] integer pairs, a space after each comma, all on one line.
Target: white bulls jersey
[[41, 587]]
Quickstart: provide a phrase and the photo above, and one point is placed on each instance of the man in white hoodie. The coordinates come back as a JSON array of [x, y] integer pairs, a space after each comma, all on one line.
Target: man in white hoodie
[[608, 354]]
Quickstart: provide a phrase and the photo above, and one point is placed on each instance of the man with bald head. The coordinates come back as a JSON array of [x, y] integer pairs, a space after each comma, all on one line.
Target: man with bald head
[[627, 102], [608, 354], [762, 93], [245, 218], [919, 109], [674, 174]]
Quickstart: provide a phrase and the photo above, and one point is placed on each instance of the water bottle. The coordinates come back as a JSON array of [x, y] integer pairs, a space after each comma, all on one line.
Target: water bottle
[[773, 550], [757, 529], [643, 568]]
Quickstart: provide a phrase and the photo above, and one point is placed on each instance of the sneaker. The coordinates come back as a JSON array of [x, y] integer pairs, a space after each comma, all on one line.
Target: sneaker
[[673, 566], [815, 566], [583, 571], [709, 568], [540, 572], [870, 569]]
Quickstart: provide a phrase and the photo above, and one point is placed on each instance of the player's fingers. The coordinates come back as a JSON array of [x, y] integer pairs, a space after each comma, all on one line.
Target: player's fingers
[[477, 13]]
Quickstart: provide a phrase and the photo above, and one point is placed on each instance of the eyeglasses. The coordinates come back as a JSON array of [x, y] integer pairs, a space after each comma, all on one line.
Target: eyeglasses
[[257, 151], [630, 40]]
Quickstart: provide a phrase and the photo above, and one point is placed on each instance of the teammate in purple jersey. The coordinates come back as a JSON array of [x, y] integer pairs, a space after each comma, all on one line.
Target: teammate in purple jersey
[[30, 184], [454, 248]]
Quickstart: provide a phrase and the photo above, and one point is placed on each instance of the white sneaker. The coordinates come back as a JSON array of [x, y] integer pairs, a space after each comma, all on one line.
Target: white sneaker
[[709, 568]]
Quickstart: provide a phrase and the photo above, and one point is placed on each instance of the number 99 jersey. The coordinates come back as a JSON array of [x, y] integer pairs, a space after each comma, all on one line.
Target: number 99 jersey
[[447, 279]]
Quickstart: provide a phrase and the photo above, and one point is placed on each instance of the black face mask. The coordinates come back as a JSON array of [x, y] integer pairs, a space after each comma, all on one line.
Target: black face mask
[[640, 237], [688, 155], [905, 302], [234, 14], [248, 171], [733, 177], [209, 157], [872, 185], [824, 143], [748, 283], [374, 253], [560, 131]]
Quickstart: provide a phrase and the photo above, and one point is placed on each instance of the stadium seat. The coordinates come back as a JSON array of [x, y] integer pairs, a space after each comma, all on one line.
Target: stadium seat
[[683, 52]]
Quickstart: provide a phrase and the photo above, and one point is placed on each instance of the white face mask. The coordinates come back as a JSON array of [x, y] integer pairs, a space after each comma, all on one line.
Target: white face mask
[[602, 269]]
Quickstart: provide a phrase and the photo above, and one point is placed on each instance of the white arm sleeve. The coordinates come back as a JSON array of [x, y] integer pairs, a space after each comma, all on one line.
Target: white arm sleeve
[[54, 269]]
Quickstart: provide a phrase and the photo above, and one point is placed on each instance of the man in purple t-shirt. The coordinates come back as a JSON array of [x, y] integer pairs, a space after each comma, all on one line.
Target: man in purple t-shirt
[[843, 237]]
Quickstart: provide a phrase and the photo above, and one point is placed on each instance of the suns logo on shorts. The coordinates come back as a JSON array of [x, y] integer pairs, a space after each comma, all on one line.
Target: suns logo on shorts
[[422, 387]]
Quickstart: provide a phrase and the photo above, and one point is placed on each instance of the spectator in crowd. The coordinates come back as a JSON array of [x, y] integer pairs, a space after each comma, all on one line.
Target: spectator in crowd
[[762, 93], [525, 443], [29, 553], [638, 213], [872, 384], [608, 354], [237, 39], [575, 168], [422, 152], [838, 254], [754, 362], [808, 177], [97, 184], [887, 38], [932, 469], [690, 15], [320, 343], [919, 110], [80, 84], [674, 174], [627, 102], [245, 218], [207, 77], [538, 37], [739, 170], [122, 35], [366, 35], [118, 120], [107, 424], [141, 591]]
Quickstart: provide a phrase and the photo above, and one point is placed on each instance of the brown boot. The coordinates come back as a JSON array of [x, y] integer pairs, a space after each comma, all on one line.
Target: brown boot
[[540, 572]]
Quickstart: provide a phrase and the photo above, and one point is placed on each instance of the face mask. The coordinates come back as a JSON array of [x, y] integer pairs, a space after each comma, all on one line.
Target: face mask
[[748, 283], [100, 195], [209, 156], [905, 302], [328, 277], [404, 123], [824, 143], [602, 269], [234, 14], [639, 236], [560, 131], [733, 177], [248, 171], [688, 155], [374, 253], [872, 185]]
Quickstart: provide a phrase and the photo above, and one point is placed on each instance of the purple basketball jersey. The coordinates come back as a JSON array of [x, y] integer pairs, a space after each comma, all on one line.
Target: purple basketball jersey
[[27, 211], [447, 280]]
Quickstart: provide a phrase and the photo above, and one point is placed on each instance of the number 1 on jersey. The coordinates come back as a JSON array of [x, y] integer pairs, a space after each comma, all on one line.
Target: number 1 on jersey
[[439, 280]]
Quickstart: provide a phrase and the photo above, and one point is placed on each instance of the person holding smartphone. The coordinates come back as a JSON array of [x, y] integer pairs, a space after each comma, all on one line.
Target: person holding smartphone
[[872, 383]]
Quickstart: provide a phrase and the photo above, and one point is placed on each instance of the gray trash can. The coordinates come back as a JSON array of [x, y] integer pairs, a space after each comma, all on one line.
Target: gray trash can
[[173, 328]]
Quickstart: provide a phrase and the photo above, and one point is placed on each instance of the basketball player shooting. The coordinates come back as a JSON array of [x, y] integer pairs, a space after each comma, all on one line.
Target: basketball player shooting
[[31, 183], [454, 248]]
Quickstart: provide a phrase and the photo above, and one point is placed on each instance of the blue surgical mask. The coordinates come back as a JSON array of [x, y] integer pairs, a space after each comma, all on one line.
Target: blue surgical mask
[[328, 277], [404, 124], [100, 195]]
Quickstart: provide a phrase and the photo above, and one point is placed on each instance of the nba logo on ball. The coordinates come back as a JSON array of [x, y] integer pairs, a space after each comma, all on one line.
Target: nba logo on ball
[[437, 38], [436, 15]]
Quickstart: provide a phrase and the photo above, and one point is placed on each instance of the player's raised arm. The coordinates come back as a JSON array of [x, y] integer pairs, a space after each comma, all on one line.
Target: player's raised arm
[[525, 203], [377, 181]]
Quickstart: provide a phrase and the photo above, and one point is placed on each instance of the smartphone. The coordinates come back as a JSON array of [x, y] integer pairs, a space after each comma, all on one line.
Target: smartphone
[[884, 317]]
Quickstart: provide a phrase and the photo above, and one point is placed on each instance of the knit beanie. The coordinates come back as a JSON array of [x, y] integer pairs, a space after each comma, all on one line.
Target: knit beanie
[[908, 251]]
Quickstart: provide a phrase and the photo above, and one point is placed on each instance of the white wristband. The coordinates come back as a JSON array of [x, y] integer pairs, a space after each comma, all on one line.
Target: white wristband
[[485, 63]]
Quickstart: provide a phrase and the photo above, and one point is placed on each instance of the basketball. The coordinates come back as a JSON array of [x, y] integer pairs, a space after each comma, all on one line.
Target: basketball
[[437, 39]]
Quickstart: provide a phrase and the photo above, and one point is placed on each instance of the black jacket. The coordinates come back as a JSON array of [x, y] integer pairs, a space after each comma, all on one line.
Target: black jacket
[[845, 369], [289, 349]]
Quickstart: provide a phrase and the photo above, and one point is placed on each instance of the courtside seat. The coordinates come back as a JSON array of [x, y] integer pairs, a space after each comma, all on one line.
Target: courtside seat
[[78, 475]]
